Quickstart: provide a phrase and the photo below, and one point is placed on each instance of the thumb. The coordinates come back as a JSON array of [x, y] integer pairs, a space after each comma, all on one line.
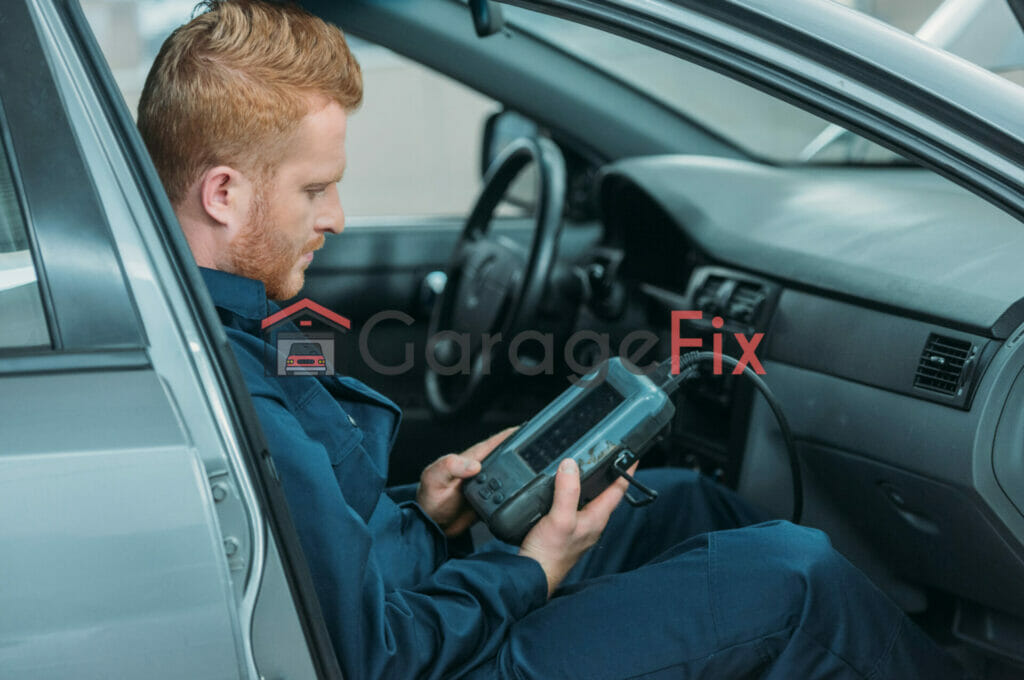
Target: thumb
[[466, 467], [460, 467], [567, 490]]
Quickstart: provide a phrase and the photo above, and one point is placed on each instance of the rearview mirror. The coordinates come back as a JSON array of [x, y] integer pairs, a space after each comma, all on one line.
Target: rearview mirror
[[487, 18]]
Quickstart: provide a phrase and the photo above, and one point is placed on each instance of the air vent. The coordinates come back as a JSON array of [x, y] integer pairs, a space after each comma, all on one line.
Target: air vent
[[942, 365], [745, 302], [706, 297]]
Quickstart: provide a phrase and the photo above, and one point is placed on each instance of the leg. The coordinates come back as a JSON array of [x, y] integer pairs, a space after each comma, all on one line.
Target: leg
[[688, 504], [770, 601]]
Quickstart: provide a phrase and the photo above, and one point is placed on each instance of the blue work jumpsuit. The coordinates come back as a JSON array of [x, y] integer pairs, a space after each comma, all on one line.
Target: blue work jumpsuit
[[657, 597]]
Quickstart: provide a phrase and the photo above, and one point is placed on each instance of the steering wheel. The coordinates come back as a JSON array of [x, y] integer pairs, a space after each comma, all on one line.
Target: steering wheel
[[494, 285]]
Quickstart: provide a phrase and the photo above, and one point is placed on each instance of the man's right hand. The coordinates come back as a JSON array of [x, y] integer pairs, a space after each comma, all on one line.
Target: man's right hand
[[561, 537]]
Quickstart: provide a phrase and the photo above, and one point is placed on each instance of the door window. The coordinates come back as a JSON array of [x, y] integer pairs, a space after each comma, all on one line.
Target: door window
[[414, 145], [22, 321]]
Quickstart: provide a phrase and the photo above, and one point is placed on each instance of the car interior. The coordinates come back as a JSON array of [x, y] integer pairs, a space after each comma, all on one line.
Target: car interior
[[887, 299]]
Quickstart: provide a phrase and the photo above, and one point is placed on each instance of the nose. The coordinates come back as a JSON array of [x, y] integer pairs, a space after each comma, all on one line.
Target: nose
[[332, 218]]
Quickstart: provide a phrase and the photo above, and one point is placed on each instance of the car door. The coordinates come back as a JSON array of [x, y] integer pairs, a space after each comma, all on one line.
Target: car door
[[141, 536]]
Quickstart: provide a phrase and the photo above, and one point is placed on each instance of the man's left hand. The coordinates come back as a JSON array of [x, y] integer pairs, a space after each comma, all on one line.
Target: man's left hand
[[440, 490]]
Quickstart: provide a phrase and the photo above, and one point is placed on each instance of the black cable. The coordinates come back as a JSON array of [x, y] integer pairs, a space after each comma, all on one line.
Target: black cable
[[688, 370]]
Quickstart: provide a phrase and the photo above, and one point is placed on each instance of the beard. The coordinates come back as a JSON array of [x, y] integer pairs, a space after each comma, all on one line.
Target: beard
[[265, 254]]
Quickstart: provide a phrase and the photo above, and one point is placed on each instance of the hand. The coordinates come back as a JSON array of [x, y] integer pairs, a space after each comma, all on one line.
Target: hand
[[440, 490], [561, 537]]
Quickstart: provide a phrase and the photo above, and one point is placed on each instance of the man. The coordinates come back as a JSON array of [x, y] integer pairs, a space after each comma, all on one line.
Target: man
[[244, 113]]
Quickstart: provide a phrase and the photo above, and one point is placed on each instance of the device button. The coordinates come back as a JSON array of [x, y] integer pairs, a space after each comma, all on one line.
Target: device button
[[481, 478], [485, 493], [494, 484], [499, 497]]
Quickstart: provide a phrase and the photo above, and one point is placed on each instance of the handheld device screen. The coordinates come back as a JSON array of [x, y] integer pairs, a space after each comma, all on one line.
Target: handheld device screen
[[565, 431]]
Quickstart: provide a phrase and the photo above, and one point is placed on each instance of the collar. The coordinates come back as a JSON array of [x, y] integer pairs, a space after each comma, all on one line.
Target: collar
[[245, 297]]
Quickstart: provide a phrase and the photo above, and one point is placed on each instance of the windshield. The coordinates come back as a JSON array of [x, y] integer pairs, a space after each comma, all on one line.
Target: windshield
[[984, 31], [760, 124]]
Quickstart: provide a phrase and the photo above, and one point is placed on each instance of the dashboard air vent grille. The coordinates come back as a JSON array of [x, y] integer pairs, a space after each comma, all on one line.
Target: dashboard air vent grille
[[706, 297], [942, 364], [745, 302]]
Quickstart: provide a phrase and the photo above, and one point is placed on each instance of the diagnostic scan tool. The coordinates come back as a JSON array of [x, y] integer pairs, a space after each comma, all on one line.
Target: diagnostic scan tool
[[605, 424]]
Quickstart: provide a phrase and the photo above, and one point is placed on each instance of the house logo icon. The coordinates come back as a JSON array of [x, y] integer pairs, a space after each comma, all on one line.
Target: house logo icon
[[304, 335]]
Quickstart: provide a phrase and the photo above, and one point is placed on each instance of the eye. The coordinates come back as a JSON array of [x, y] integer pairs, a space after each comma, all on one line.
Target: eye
[[316, 192]]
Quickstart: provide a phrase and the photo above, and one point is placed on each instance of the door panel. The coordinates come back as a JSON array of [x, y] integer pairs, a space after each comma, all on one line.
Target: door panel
[[113, 565], [113, 561], [128, 460]]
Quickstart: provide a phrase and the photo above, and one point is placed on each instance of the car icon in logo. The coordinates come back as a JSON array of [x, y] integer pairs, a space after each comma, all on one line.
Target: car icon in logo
[[305, 357]]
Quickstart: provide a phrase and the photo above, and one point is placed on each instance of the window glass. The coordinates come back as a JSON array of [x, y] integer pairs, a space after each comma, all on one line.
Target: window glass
[[758, 123], [22, 322], [985, 32], [414, 145]]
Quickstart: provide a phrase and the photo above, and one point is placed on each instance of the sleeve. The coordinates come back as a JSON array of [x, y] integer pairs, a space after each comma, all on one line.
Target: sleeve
[[405, 497], [403, 493], [454, 619]]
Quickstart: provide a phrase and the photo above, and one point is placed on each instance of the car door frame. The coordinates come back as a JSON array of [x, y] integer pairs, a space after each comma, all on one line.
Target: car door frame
[[97, 341], [138, 274]]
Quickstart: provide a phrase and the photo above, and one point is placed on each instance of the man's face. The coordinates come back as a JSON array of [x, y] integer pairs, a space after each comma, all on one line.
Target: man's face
[[291, 213]]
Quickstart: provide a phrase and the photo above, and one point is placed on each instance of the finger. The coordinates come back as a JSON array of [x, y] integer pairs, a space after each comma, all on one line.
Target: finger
[[443, 471], [567, 490], [460, 466], [480, 450], [600, 509], [464, 467]]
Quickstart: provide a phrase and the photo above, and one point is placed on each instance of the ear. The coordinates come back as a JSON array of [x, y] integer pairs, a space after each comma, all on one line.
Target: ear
[[226, 195]]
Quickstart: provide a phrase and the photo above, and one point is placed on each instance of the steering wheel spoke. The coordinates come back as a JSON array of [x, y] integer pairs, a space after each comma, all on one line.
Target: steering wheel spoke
[[494, 283]]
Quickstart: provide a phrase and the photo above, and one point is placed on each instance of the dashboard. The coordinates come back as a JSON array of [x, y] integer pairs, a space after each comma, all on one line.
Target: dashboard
[[891, 303]]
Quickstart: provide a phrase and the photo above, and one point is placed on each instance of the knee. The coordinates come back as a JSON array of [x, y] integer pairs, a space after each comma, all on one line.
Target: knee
[[813, 583], [790, 560], [772, 575], [803, 550], [791, 538]]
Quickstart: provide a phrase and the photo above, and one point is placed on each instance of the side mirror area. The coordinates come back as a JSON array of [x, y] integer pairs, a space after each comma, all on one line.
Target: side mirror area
[[487, 18], [500, 130]]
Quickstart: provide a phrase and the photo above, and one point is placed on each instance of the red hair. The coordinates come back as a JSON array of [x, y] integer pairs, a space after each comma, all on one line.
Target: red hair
[[231, 86]]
